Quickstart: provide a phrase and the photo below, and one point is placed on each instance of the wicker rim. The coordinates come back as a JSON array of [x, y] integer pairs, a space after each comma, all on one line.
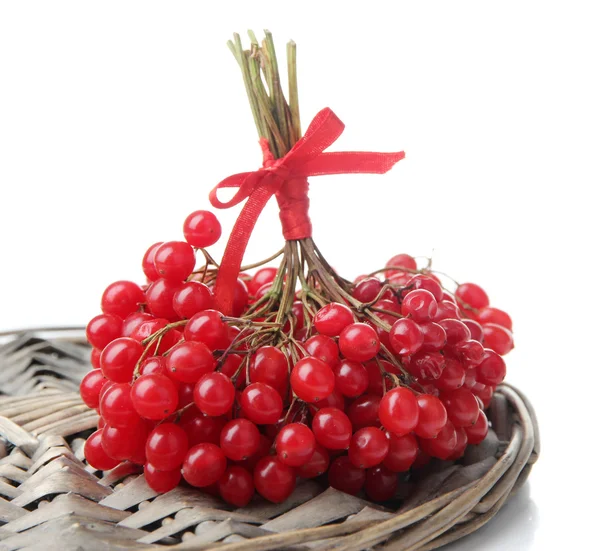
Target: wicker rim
[[438, 520]]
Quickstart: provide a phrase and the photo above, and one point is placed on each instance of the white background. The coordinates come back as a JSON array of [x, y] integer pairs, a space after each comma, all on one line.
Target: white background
[[116, 118]]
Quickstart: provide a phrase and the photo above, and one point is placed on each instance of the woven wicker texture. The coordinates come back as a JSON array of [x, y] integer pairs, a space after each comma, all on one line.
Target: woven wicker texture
[[50, 499]]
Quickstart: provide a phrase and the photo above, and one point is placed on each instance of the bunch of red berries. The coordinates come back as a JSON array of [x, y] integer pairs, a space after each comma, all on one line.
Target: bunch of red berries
[[310, 376]]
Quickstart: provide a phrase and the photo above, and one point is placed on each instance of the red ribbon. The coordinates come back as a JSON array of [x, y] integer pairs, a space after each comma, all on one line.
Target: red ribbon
[[286, 178]]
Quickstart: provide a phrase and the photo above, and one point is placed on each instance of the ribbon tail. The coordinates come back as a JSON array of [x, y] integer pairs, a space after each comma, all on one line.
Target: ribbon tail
[[351, 162], [234, 252]]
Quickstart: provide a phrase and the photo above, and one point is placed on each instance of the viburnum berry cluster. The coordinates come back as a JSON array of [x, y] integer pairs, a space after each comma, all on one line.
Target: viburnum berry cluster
[[306, 375]]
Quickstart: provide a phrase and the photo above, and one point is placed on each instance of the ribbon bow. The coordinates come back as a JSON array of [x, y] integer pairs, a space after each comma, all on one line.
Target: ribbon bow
[[286, 178]]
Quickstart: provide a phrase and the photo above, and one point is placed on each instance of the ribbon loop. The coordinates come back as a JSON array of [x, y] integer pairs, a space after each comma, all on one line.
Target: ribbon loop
[[286, 178]]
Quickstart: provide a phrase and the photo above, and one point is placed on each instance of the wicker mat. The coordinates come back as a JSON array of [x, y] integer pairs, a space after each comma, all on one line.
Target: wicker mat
[[51, 499]]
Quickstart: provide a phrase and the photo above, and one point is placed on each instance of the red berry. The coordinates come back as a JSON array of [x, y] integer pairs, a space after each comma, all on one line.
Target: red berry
[[432, 416], [103, 329], [446, 310], [405, 337], [116, 406], [236, 486], [167, 446], [154, 364], [154, 396], [201, 229], [494, 315], [434, 337], [472, 295], [262, 277], [200, 428], [359, 342], [484, 393], [148, 262], [159, 298], [476, 433], [367, 289], [261, 404], [125, 443], [402, 452], [185, 393], [188, 361], [174, 260], [324, 348], [381, 483], [456, 331], [312, 379], [332, 318], [133, 321], [95, 358], [351, 378], [498, 338], [119, 358], [240, 298], [346, 477], [399, 411], [332, 428], [475, 329], [404, 261], [462, 407], [316, 465], [364, 411], [239, 439], [122, 298], [161, 481], [273, 479], [334, 400], [204, 465], [295, 444], [368, 447], [461, 444], [420, 305], [452, 377], [492, 369], [95, 454], [269, 365], [421, 281], [192, 297], [214, 394], [426, 365], [443, 444], [208, 327], [90, 388]]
